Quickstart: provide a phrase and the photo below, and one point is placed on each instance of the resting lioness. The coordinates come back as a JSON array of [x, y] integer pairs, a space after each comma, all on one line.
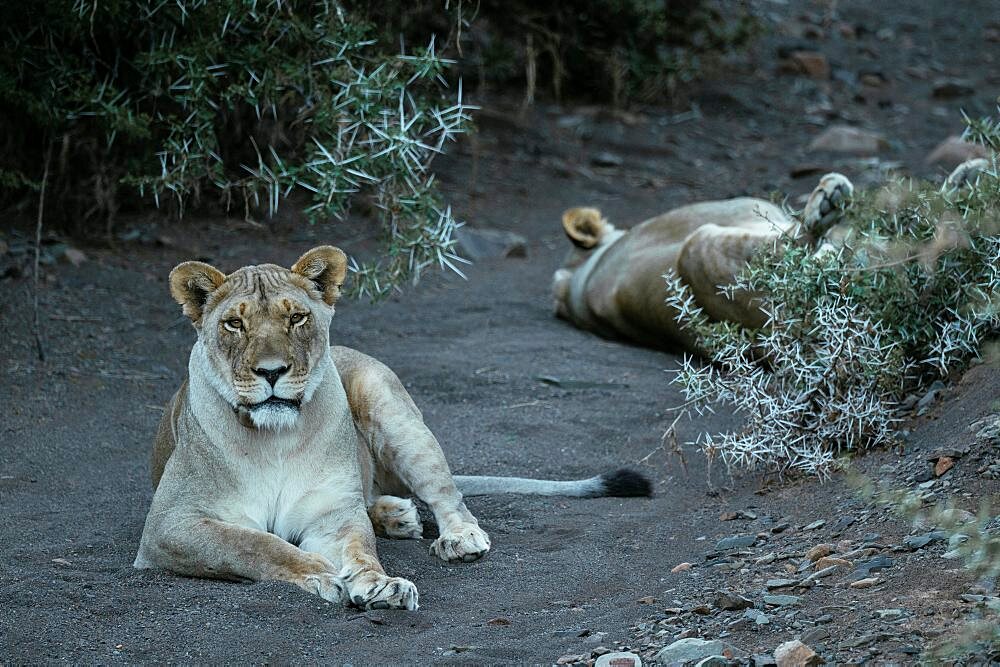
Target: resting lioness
[[273, 459], [612, 280]]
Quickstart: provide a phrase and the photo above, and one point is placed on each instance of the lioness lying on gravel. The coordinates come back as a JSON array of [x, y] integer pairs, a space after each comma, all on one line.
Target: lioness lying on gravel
[[612, 283], [276, 457]]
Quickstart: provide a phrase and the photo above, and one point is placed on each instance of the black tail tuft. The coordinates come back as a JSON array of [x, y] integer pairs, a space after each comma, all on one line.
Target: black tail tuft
[[626, 483]]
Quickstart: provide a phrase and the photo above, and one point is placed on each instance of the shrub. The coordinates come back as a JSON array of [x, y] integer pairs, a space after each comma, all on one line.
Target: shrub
[[907, 298], [242, 101]]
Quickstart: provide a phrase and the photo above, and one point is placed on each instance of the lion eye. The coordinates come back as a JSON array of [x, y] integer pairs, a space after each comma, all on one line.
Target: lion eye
[[235, 324], [298, 318]]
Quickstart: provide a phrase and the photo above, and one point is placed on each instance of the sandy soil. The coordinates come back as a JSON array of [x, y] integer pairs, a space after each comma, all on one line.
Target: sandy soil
[[564, 576]]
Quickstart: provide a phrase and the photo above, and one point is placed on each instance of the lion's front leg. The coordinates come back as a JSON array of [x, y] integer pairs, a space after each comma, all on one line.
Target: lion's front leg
[[349, 542], [402, 445]]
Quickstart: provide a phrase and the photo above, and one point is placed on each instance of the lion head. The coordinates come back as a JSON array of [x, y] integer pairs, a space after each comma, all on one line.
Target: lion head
[[263, 331]]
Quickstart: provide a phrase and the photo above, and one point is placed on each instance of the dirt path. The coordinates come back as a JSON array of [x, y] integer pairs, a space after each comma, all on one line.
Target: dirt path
[[564, 576]]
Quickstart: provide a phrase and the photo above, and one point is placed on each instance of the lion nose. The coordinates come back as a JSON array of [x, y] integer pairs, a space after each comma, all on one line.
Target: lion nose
[[271, 374]]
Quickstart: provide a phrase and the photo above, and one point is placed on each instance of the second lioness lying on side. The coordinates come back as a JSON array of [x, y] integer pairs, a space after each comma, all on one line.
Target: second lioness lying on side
[[612, 280]]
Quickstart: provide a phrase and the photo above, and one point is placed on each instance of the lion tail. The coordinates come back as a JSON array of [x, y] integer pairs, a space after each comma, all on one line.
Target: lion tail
[[620, 483]]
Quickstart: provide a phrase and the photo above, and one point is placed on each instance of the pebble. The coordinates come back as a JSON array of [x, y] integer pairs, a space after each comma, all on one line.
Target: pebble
[[796, 654], [681, 567], [831, 561], [815, 525], [606, 159], [693, 648], [849, 140], [732, 601], [773, 584], [781, 600], [878, 563], [943, 465], [866, 583], [819, 551], [619, 659], [812, 63], [758, 617], [920, 541], [735, 542], [951, 88]]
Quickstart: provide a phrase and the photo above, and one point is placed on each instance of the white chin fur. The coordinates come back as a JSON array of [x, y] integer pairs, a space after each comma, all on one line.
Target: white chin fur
[[274, 417]]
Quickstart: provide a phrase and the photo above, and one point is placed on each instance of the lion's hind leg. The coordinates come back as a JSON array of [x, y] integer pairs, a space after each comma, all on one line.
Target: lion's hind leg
[[825, 207], [396, 518]]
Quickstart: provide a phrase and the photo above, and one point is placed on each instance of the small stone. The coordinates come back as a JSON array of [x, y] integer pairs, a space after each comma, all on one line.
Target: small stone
[[773, 584], [830, 561], [878, 563], [735, 542], [692, 649], [815, 525], [758, 617], [499, 620], [812, 63], [796, 654], [920, 541], [618, 659], [713, 661], [890, 613], [971, 597], [570, 658], [954, 150], [606, 159], [485, 243], [950, 88], [681, 567], [866, 583], [943, 465], [649, 599], [763, 661], [819, 551], [849, 140], [729, 601], [74, 256], [814, 635], [780, 527], [781, 600]]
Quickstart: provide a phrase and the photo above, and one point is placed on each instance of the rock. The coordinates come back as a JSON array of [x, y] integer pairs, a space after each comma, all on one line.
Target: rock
[[953, 151], [925, 403], [692, 648], [732, 601], [830, 561], [773, 584], [680, 567], [890, 614], [819, 551], [920, 541], [812, 63], [818, 574], [866, 583], [606, 159], [571, 658], [865, 568], [485, 243], [763, 661], [619, 659], [950, 88], [648, 599], [713, 661], [841, 524], [735, 542], [74, 256], [796, 654], [758, 617], [849, 140], [814, 635], [781, 600], [815, 525], [943, 465]]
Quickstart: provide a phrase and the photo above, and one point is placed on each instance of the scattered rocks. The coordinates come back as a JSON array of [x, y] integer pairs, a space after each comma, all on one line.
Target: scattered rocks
[[849, 140], [485, 243], [730, 601], [953, 151], [692, 648], [619, 659], [796, 654], [735, 542]]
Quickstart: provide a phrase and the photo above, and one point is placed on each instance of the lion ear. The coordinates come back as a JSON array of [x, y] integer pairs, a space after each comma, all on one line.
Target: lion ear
[[584, 226], [326, 267], [191, 283]]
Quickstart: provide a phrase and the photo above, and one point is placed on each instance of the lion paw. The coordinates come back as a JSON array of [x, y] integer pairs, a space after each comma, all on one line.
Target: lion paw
[[396, 517], [826, 205], [467, 543], [388, 593]]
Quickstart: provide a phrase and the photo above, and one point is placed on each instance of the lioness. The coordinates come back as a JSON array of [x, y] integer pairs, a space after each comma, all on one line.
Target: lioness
[[611, 282], [275, 457]]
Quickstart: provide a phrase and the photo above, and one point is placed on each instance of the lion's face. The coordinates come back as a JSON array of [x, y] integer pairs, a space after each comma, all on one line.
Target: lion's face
[[264, 331]]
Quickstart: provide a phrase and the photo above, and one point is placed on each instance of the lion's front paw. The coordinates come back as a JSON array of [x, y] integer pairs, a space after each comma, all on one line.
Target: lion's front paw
[[388, 593], [466, 543], [826, 204], [327, 585]]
